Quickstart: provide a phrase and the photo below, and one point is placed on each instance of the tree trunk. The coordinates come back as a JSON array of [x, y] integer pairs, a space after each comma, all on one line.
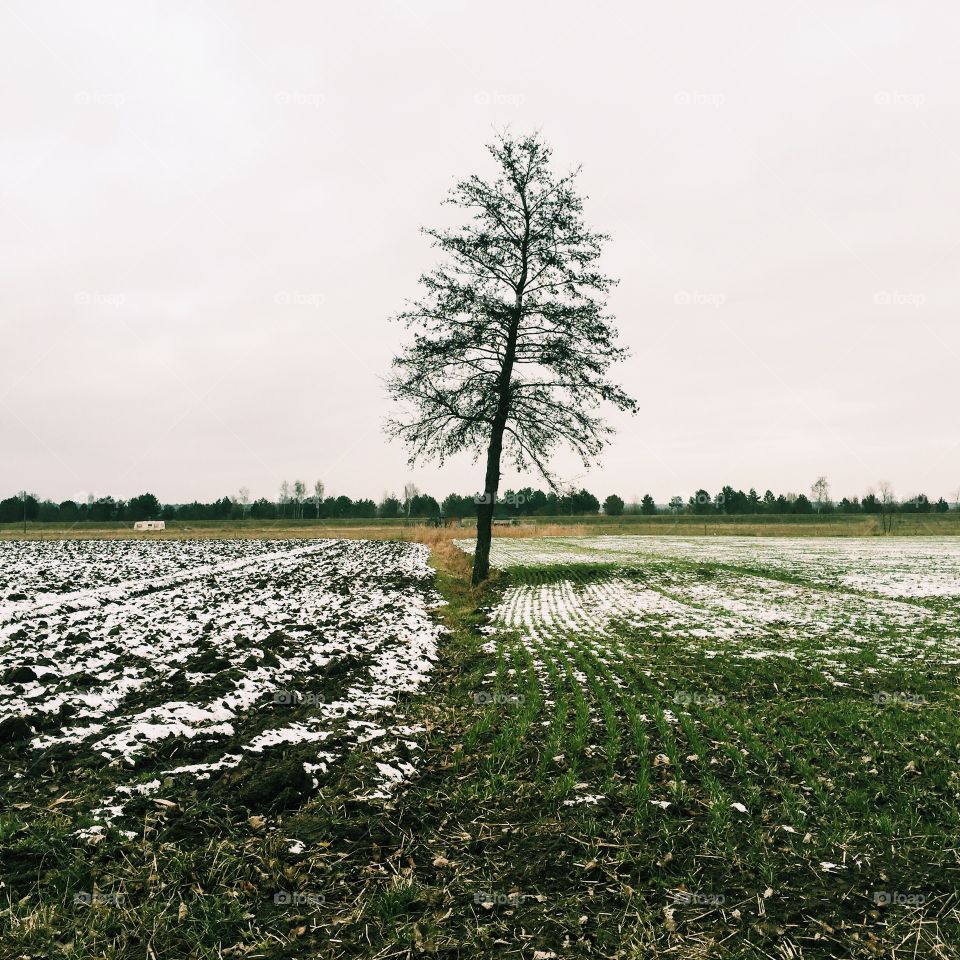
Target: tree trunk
[[481, 555], [485, 509]]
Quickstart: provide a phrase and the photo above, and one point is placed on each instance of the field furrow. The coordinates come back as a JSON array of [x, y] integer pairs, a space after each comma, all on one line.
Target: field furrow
[[186, 673]]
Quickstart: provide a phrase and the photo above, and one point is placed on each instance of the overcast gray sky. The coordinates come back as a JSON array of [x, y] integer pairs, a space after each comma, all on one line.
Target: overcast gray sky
[[209, 212]]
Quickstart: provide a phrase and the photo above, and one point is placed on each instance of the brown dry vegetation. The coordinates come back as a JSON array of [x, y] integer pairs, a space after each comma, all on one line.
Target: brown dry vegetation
[[834, 525]]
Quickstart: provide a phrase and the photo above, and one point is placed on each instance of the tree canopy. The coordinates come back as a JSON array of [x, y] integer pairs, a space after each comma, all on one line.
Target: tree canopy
[[512, 344]]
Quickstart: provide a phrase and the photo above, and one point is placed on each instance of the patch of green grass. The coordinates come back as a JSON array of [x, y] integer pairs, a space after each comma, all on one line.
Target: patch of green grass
[[846, 800]]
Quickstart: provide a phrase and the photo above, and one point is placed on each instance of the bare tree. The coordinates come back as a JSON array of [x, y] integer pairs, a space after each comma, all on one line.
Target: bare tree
[[299, 495], [243, 498], [284, 497], [410, 490], [887, 504], [512, 344], [318, 490], [821, 493]]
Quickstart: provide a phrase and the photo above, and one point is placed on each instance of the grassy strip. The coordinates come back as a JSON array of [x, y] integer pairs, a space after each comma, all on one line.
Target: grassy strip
[[686, 525]]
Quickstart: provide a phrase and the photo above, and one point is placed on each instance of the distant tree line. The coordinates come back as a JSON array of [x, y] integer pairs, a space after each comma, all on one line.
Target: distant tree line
[[148, 507], [526, 502], [294, 503], [732, 502]]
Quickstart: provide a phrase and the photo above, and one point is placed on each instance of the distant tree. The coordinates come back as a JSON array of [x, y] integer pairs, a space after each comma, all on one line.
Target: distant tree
[[942, 506], [802, 504], [318, 490], [527, 496], [299, 495], [769, 504], [243, 498], [888, 504], [536, 503], [144, 507], [19, 509], [582, 502], [389, 507], [69, 511], [676, 504], [423, 505], [552, 504], [648, 506], [701, 502], [513, 343], [11, 510], [456, 506], [263, 509], [103, 509], [613, 506], [284, 497], [193, 511], [48, 511], [821, 494], [732, 501], [410, 492]]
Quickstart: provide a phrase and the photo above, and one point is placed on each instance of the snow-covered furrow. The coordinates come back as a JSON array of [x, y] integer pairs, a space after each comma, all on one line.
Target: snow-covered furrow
[[722, 612], [215, 654], [897, 567], [66, 572]]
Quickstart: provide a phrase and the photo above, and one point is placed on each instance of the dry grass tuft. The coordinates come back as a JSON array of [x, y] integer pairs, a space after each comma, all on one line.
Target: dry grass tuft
[[446, 554]]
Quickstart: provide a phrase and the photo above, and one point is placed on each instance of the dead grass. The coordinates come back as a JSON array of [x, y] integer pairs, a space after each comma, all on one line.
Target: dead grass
[[447, 557], [836, 525]]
